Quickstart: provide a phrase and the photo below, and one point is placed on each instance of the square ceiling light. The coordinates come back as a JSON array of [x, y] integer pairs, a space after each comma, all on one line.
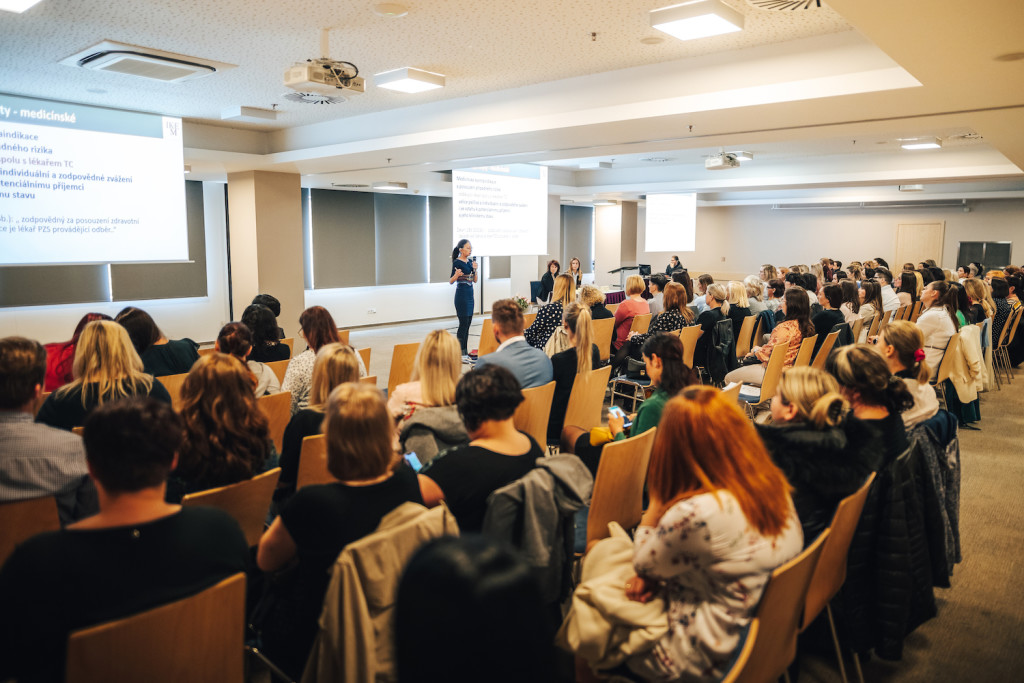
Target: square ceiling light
[[409, 80], [18, 6], [697, 19], [929, 142]]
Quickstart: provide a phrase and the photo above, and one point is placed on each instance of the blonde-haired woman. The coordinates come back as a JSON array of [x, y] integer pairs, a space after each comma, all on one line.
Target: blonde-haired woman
[[581, 356], [755, 294], [319, 521], [716, 297], [901, 343], [807, 439], [550, 317], [982, 304], [106, 368], [335, 364], [739, 307]]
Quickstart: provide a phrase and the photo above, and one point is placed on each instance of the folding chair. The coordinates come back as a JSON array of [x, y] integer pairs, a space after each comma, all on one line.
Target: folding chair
[[619, 485], [277, 409], [803, 356], [534, 412], [826, 348], [743, 341], [587, 398], [403, 360], [603, 329], [313, 462], [247, 501], [766, 391], [945, 366], [172, 383]]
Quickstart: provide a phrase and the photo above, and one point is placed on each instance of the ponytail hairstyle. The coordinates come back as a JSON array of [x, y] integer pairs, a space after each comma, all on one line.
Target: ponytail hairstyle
[[947, 299], [458, 247], [719, 294], [907, 342], [815, 395], [577, 318], [864, 375]]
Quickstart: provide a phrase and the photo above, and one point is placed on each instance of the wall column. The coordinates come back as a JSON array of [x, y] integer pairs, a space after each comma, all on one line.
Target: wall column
[[614, 240], [265, 229]]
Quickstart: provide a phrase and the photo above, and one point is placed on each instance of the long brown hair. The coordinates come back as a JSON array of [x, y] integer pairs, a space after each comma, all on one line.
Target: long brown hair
[[706, 444], [675, 300], [798, 308], [226, 434], [318, 327]]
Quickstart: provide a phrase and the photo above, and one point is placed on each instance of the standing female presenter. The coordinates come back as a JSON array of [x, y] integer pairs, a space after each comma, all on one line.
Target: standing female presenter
[[463, 273]]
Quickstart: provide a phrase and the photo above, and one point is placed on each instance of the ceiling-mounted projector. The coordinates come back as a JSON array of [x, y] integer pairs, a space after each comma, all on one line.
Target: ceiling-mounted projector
[[719, 162], [324, 75]]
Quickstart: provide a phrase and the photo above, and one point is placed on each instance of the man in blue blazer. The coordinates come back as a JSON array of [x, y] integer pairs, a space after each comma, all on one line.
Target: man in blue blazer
[[529, 365]]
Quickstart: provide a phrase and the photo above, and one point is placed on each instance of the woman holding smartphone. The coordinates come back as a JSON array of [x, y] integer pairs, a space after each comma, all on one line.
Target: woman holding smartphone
[[463, 276]]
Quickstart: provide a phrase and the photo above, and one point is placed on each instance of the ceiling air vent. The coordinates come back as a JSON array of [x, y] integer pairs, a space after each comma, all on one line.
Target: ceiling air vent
[[313, 98], [785, 5], [144, 62]]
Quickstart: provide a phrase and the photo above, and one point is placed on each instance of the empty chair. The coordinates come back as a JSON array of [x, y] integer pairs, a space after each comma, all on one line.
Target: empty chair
[[533, 413], [277, 409], [247, 501], [197, 639], [603, 329], [403, 359], [23, 519], [619, 485], [826, 348], [803, 356]]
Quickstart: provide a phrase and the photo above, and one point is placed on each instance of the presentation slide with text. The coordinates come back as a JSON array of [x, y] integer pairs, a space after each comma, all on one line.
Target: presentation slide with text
[[502, 210]]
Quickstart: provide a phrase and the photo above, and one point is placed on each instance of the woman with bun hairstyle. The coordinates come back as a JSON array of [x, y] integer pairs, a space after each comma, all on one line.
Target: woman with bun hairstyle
[[807, 440], [236, 339], [902, 345], [876, 396]]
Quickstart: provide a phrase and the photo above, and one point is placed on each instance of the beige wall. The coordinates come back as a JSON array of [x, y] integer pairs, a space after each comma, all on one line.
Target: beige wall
[[734, 241]]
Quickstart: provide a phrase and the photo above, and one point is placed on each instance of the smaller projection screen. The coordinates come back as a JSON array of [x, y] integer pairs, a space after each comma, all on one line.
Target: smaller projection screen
[[671, 222], [501, 210]]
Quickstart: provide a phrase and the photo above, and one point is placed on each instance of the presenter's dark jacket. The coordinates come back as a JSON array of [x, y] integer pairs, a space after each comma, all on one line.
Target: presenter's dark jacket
[[173, 358], [66, 411]]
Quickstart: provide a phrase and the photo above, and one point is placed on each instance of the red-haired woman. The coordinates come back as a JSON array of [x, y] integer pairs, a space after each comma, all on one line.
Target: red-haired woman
[[720, 520], [60, 356], [318, 329]]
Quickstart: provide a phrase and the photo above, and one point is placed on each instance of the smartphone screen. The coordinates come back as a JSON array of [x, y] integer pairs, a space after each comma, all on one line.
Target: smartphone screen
[[619, 412], [414, 461]]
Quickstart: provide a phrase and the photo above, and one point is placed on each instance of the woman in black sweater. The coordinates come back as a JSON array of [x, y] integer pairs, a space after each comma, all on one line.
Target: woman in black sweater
[[831, 298]]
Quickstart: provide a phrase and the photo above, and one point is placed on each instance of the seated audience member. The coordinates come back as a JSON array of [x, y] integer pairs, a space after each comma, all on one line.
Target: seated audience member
[[768, 272], [497, 454], [810, 283], [774, 290], [107, 368], [850, 308], [1003, 308], [60, 356], [716, 309], [796, 326], [876, 396], [937, 322], [720, 520], [581, 357], [137, 553], [657, 289], [550, 316], [958, 295], [452, 586], [855, 273], [908, 289], [675, 317], [235, 339], [901, 343], [700, 296], [890, 300], [318, 522], [36, 460], [227, 437], [806, 439], [978, 296], [871, 301], [831, 298], [663, 359], [160, 355], [547, 280], [739, 308], [593, 297], [274, 305], [265, 345], [682, 276], [529, 365], [335, 365], [755, 294], [318, 329]]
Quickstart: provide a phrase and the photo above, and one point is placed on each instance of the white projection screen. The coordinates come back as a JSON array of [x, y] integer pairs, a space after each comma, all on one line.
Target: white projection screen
[[501, 210], [81, 184], [671, 222]]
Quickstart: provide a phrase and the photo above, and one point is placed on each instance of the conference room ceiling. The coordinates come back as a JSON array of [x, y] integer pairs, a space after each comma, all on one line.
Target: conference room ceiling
[[821, 97]]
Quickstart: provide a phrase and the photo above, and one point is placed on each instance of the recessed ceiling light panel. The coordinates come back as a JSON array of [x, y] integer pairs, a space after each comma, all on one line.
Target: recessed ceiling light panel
[[927, 142], [697, 19], [409, 80], [18, 6], [390, 186]]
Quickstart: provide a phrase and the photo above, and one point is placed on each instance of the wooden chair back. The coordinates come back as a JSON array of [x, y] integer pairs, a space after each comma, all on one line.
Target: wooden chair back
[[587, 398], [528, 319], [534, 412], [901, 312], [619, 485], [755, 338], [778, 616], [199, 639], [733, 392], [279, 367], [207, 351], [948, 358], [612, 307], [830, 573], [603, 329], [1016, 324], [803, 356], [172, 383], [80, 430], [887, 317], [290, 343], [365, 355], [641, 323], [916, 312], [875, 323], [743, 340], [772, 373], [855, 329], [22, 519], [343, 336], [313, 462], [689, 335], [277, 409], [826, 348], [488, 344], [403, 360], [369, 379], [247, 501]]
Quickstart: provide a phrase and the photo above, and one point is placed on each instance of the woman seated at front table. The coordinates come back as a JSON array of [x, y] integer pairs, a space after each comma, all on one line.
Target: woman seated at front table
[[318, 329], [335, 365], [227, 436], [235, 339], [720, 520], [320, 520], [549, 318], [160, 355], [497, 454], [106, 368], [547, 281], [797, 325]]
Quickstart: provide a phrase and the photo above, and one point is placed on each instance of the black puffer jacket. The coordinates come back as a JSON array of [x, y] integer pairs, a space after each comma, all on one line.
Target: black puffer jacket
[[823, 466]]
